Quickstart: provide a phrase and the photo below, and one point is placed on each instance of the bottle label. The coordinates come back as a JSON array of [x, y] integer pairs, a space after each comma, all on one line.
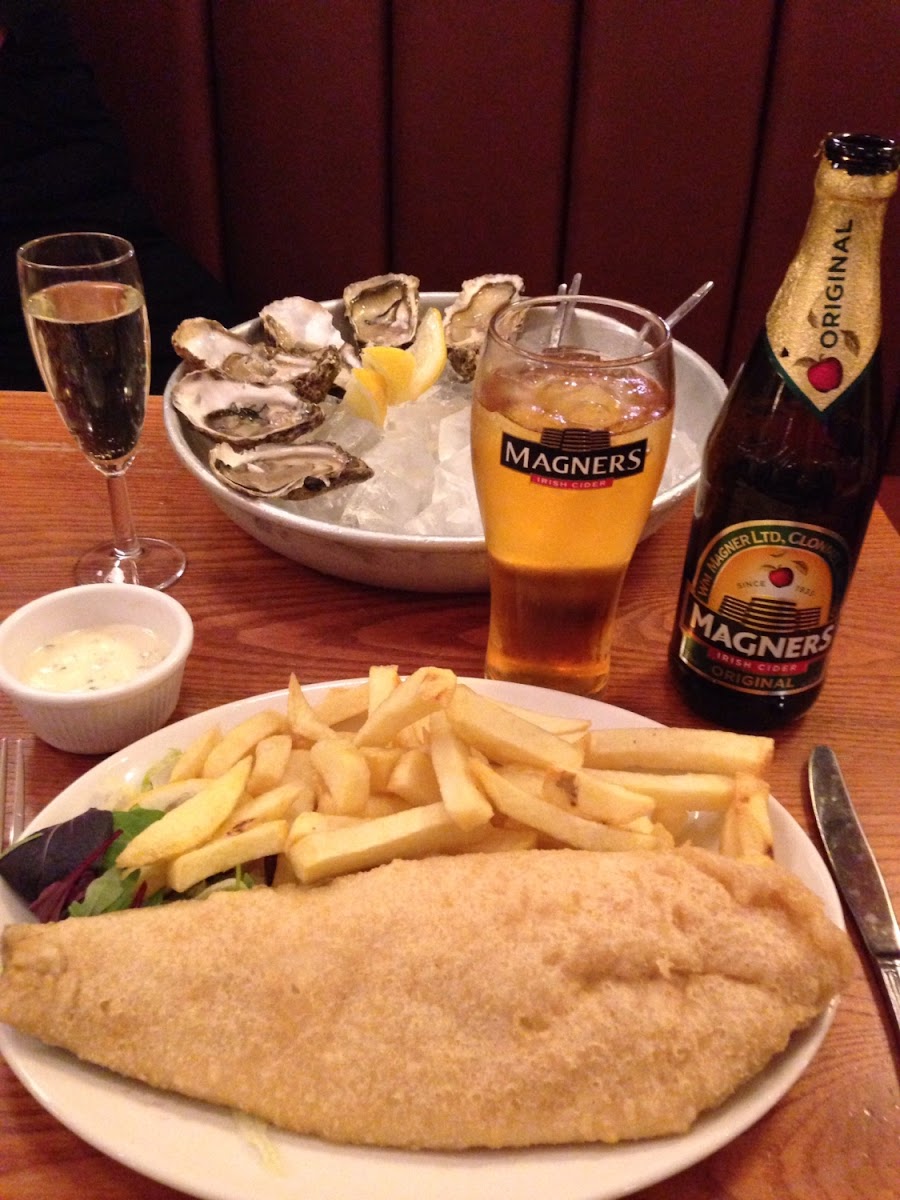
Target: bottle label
[[760, 613], [824, 325]]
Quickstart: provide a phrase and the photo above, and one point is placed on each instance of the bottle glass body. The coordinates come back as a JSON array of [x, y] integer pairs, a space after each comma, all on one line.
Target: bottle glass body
[[774, 474], [790, 474]]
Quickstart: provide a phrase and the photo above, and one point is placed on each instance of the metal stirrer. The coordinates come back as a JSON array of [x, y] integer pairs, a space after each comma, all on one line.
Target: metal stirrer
[[686, 305], [564, 312], [682, 310]]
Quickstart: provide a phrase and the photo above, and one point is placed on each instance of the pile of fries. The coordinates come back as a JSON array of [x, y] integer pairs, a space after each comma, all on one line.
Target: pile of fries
[[406, 767]]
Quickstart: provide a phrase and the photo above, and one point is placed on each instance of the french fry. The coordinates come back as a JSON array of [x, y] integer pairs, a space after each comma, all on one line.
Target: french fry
[[191, 823], [410, 834], [694, 790], [284, 872], [419, 695], [153, 878], [315, 822], [168, 795], [506, 737], [299, 768], [529, 779], [436, 767], [586, 795], [303, 722], [240, 741], [300, 772], [413, 779], [345, 774], [549, 819], [746, 827], [504, 839], [341, 704], [640, 825], [189, 764], [561, 726], [224, 853], [276, 804], [381, 761], [380, 804], [270, 758], [680, 750], [463, 799], [382, 681], [413, 736]]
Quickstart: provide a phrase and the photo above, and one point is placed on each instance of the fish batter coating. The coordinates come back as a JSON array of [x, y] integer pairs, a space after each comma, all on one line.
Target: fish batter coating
[[494, 1000]]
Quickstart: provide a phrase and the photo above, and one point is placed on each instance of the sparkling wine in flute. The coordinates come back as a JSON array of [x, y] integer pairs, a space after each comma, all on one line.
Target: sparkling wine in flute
[[91, 342], [83, 302]]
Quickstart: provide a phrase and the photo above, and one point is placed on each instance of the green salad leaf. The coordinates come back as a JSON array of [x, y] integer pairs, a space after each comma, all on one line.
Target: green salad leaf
[[114, 889]]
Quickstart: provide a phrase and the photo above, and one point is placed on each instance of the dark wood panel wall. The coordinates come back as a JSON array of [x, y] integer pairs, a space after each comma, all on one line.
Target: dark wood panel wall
[[296, 145]]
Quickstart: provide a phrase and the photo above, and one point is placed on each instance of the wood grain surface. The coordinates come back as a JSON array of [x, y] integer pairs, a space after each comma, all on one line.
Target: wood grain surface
[[257, 617]]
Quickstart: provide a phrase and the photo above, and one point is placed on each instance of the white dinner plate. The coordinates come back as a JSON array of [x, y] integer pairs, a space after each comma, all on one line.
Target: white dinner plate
[[207, 1152]]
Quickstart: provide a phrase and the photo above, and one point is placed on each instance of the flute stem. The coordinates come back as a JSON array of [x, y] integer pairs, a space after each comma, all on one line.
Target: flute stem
[[125, 541]]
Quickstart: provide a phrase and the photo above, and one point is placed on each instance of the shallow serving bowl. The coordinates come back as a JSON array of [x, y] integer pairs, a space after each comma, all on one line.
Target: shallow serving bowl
[[417, 562], [97, 722]]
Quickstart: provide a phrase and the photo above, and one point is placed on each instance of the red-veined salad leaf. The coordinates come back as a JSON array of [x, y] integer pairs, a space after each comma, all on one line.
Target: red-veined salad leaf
[[49, 855]]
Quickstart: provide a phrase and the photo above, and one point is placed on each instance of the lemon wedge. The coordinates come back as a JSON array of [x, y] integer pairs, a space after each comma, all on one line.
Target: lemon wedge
[[429, 351], [366, 395], [406, 374], [396, 369]]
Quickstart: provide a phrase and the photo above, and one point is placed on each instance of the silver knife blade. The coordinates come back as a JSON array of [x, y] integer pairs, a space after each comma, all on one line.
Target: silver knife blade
[[852, 861], [854, 867]]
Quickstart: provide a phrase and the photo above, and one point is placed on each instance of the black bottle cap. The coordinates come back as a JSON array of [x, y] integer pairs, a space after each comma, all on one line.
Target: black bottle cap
[[862, 153]]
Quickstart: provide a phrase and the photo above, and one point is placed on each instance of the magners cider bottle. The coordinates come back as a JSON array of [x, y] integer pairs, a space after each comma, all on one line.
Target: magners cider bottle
[[793, 464]]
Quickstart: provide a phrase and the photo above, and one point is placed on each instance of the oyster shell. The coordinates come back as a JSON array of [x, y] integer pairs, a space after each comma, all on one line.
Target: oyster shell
[[310, 377], [466, 320], [299, 326], [207, 345], [202, 343], [243, 414], [383, 310], [285, 472]]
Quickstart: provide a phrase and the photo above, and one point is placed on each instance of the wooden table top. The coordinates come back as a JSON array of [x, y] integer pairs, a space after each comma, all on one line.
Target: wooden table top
[[258, 616]]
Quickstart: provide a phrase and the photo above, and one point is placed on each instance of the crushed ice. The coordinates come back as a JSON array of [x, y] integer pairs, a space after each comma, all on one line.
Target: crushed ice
[[432, 493]]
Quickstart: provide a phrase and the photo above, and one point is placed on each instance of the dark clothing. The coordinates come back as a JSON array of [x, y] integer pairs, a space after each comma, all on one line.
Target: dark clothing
[[64, 167]]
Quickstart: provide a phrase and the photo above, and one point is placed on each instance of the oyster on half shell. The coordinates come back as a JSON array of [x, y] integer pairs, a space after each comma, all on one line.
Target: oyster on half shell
[[206, 345], [287, 472], [203, 343], [466, 320], [299, 326], [243, 414], [383, 310]]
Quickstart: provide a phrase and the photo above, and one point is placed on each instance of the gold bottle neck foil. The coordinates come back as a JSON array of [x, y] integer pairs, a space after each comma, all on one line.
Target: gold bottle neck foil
[[824, 324]]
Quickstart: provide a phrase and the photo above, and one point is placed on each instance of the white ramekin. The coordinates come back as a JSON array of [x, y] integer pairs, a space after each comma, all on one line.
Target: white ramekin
[[101, 721]]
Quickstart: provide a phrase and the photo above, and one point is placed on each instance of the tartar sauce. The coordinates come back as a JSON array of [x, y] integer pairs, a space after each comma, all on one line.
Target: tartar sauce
[[86, 660]]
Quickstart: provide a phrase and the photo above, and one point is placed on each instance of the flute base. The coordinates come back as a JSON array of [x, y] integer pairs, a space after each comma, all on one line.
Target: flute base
[[156, 565]]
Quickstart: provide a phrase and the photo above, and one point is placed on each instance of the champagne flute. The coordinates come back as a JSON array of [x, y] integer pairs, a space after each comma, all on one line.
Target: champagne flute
[[84, 307]]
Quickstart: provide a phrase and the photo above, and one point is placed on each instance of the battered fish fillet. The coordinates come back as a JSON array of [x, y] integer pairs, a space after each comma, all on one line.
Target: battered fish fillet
[[480, 1000]]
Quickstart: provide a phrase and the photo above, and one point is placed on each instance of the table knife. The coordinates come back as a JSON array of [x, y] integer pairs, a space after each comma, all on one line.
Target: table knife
[[853, 864]]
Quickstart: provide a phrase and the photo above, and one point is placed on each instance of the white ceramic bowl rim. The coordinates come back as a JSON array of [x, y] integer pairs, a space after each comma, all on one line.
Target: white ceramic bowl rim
[[177, 652]]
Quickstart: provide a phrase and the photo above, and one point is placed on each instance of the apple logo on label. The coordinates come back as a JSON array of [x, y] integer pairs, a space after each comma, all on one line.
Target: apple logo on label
[[826, 374], [781, 577]]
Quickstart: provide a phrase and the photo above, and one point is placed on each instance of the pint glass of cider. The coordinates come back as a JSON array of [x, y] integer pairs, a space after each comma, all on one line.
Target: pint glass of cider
[[571, 422]]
